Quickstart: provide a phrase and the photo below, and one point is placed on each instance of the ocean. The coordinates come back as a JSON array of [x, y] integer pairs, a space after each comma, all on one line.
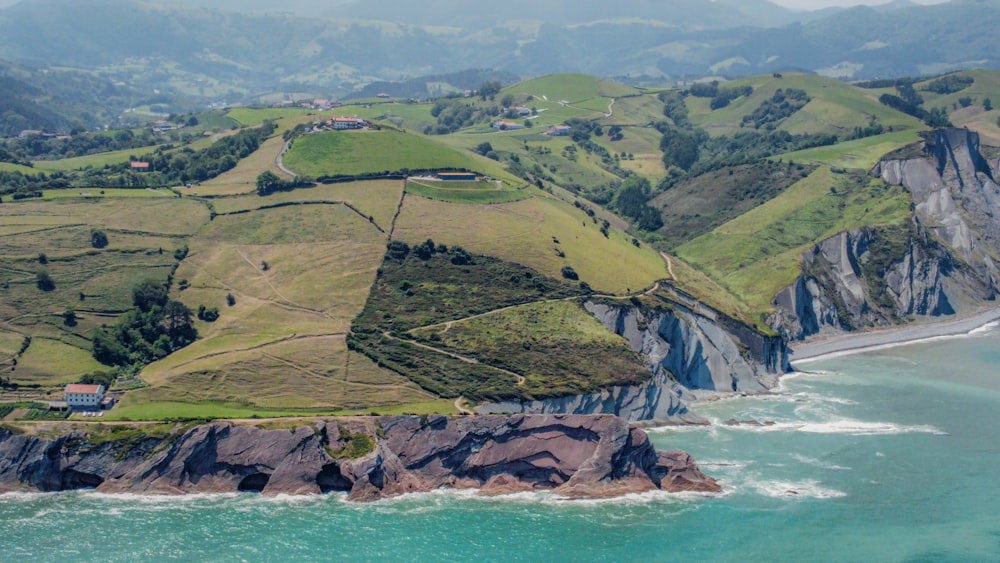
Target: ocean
[[885, 456]]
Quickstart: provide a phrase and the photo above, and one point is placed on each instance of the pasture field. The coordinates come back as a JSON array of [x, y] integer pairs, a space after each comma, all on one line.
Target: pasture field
[[465, 192], [836, 107], [98, 160], [243, 178], [527, 232], [365, 152], [378, 199], [860, 153], [757, 254], [55, 237], [88, 193], [281, 344]]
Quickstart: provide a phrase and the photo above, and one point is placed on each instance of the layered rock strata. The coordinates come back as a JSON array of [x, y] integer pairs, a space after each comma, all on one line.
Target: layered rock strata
[[369, 458]]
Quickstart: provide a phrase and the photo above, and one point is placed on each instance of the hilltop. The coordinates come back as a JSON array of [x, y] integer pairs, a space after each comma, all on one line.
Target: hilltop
[[545, 278]]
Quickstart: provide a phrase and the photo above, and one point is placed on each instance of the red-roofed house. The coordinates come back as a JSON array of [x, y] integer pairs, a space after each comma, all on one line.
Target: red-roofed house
[[139, 166], [81, 396]]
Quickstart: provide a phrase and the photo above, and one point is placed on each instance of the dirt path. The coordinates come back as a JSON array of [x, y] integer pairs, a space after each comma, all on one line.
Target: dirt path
[[460, 407], [670, 265], [518, 377], [279, 161]]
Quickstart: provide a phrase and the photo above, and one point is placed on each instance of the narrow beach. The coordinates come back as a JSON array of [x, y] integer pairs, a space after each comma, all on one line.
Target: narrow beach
[[864, 341]]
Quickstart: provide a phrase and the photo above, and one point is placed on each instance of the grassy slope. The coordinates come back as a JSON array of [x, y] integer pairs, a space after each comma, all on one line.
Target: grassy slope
[[558, 347], [359, 152], [524, 232], [61, 229], [986, 85], [282, 344], [836, 107], [756, 254]]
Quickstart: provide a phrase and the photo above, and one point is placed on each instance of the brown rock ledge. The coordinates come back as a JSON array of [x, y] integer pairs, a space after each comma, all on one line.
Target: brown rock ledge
[[370, 458]]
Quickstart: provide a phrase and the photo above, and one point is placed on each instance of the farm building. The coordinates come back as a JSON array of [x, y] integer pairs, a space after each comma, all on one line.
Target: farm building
[[139, 166], [342, 123], [81, 396], [507, 125], [559, 130], [457, 176]]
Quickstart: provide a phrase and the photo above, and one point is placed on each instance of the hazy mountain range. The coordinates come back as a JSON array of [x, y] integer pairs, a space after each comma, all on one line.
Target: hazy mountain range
[[204, 49]]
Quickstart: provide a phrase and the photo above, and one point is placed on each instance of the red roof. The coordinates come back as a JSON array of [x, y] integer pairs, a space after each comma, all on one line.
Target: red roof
[[137, 164], [83, 389]]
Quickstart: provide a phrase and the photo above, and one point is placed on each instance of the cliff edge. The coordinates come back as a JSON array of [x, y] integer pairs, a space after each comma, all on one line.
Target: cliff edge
[[370, 458]]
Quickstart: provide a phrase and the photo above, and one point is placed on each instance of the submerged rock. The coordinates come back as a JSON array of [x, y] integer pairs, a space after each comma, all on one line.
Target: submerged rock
[[369, 458]]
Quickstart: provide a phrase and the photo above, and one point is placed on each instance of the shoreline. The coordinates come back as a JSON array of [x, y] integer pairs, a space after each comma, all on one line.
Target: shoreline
[[858, 343]]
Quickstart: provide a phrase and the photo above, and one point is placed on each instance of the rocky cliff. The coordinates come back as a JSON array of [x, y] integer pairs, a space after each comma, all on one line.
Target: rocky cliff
[[940, 264], [369, 458], [685, 349]]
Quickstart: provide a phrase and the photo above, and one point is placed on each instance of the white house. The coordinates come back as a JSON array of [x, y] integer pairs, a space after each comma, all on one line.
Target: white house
[[84, 397]]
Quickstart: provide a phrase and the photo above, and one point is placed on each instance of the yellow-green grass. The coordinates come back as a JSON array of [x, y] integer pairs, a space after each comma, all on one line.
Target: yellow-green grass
[[243, 178], [49, 362], [860, 153], [465, 192], [136, 407], [107, 192], [694, 282], [376, 198], [558, 347], [366, 152], [321, 261], [315, 373], [250, 117], [757, 254], [986, 85], [10, 344], [146, 215], [836, 107], [523, 232], [635, 110], [571, 88], [93, 161], [11, 167]]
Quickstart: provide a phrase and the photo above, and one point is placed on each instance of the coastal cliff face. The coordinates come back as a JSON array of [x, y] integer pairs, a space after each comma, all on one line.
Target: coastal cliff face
[[684, 349], [941, 264], [369, 458]]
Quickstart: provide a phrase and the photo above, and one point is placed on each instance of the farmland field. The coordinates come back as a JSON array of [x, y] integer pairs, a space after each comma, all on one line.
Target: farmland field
[[526, 232]]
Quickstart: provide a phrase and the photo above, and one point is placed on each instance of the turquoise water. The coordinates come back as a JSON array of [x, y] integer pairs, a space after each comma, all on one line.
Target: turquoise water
[[888, 456]]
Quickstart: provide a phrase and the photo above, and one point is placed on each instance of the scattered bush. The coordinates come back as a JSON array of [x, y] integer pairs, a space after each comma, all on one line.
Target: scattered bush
[[98, 239]]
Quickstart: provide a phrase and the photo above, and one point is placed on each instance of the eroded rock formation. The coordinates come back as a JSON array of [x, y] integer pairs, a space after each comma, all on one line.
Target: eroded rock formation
[[369, 458]]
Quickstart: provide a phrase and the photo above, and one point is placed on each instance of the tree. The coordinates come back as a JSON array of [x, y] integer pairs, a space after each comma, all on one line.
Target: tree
[[569, 273], [484, 148], [178, 322], [69, 317], [98, 239], [149, 294], [230, 299], [987, 104], [44, 281], [268, 182]]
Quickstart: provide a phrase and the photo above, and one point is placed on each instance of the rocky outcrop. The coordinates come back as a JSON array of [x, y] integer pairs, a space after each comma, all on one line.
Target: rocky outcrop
[[939, 265], [369, 458], [684, 349]]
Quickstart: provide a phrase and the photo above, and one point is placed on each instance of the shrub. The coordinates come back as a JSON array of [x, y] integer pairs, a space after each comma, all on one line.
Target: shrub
[[230, 299], [569, 273], [98, 239], [44, 281]]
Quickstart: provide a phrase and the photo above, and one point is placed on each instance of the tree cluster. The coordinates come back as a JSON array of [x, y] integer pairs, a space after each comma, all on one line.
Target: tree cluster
[[154, 328], [780, 106]]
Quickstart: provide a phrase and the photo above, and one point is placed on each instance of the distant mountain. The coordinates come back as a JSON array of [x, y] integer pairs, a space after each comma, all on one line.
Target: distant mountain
[[436, 85], [221, 55], [58, 100]]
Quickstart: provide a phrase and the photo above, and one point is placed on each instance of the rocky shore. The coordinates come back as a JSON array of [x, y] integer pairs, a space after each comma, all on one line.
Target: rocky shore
[[370, 458]]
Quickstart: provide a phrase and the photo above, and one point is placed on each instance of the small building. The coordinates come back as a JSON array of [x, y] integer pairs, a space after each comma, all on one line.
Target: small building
[[383, 95], [139, 166], [342, 123], [503, 125], [30, 133], [81, 396], [559, 130], [457, 176]]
